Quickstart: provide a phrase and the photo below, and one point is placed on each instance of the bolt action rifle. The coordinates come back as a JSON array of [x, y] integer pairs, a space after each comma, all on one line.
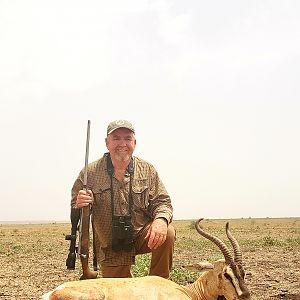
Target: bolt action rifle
[[83, 217], [73, 249]]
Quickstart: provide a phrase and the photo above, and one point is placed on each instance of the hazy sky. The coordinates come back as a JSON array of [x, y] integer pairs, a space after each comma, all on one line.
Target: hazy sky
[[212, 87]]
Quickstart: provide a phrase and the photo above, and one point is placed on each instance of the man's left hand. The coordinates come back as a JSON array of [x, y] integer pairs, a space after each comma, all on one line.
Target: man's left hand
[[157, 233]]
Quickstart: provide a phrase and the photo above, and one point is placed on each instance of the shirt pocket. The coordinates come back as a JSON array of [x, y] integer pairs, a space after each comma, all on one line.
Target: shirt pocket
[[140, 196], [102, 197]]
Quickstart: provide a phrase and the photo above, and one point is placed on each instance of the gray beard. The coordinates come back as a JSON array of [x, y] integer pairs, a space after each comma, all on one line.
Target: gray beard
[[122, 158]]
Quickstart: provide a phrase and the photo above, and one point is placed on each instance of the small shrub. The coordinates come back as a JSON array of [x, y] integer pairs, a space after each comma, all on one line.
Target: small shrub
[[296, 230], [142, 265], [192, 225], [16, 248], [269, 241], [182, 276], [178, 274], [293, 242]]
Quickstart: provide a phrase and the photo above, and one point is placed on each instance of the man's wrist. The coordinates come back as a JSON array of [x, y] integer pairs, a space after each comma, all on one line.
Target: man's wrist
[[165, 219]]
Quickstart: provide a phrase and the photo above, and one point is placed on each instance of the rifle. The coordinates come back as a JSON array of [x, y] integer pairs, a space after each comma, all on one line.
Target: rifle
[[73, 249], [84, 230]]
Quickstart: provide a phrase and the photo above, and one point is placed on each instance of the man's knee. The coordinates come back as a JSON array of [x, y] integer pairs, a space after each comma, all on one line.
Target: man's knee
[[171, 235]]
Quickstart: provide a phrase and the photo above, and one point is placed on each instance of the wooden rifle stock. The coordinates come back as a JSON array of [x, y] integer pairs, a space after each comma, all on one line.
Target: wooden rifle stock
[[85, 243], [84, 227]]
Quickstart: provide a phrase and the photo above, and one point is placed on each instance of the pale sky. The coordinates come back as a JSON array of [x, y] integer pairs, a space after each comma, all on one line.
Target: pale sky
[[212, 88]]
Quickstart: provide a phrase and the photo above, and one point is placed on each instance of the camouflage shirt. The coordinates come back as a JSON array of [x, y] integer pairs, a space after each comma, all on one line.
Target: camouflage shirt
[[150, 201]]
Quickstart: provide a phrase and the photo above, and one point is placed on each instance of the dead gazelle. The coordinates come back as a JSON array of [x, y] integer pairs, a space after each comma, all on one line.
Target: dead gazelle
[[222, 278]]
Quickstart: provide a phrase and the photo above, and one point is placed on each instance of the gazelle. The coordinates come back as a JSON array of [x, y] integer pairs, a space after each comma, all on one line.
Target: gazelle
[[224, 277]]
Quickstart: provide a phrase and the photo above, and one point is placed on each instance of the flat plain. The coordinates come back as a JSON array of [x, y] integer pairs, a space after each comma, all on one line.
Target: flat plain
[[32, 256]]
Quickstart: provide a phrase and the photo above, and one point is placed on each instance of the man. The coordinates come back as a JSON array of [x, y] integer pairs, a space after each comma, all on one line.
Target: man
[[132, 210]]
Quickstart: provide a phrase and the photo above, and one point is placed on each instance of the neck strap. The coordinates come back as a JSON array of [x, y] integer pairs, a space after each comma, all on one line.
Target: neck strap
[[110, 171]]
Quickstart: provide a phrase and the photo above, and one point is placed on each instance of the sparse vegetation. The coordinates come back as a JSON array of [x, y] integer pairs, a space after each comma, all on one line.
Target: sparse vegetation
[[141, 266], [33, 256], [2, 249], [178, 274]]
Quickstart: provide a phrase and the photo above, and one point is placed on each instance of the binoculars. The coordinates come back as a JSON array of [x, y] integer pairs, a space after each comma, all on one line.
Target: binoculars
[[122, 233]]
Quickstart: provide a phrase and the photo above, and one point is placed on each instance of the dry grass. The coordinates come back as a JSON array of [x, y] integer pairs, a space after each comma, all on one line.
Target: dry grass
[[33, 256]]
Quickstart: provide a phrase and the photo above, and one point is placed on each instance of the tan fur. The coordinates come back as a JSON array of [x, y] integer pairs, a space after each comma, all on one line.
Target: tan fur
[[219, 279], [207, 287]]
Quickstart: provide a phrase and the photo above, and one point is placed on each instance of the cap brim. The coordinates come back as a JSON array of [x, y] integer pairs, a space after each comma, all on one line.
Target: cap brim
[[132, 130]]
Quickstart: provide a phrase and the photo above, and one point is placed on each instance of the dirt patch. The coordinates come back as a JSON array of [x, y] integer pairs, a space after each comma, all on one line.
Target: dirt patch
[[33, 256]]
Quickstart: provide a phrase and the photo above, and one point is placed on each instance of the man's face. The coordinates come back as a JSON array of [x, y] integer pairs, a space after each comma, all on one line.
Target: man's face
[[121, 144]]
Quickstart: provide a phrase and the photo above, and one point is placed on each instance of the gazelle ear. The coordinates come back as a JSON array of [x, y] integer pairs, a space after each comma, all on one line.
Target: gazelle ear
[[202, 266]]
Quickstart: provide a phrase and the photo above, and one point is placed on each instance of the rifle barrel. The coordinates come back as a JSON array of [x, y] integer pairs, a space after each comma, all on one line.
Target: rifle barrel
[[83, 213], [86, 155]]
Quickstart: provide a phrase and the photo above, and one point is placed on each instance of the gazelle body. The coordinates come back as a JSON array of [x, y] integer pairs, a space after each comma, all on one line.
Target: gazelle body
[[222, 278]]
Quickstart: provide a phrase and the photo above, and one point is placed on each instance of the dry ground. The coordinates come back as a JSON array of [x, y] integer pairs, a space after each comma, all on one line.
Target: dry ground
[[32, 257]]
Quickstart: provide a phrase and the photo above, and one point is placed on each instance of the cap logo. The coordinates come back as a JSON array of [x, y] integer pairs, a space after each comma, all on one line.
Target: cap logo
[[120, 122]]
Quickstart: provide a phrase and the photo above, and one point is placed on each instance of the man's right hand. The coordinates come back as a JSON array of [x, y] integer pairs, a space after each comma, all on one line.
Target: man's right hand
[[84, 198]]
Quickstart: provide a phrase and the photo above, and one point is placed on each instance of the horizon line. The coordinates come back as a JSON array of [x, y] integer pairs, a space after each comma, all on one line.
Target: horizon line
[[36, 222]]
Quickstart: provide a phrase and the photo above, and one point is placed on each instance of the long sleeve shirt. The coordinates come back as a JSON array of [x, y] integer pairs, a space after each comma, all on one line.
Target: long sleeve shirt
[[150, 201]]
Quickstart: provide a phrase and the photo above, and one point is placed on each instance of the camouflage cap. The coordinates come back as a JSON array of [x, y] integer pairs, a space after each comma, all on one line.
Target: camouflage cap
[[119, 124]]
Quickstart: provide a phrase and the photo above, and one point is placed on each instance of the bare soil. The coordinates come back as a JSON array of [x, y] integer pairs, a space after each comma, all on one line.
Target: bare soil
[[32, 256]]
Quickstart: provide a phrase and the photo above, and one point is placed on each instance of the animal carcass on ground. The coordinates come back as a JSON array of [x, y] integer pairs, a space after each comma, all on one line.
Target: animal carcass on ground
[[222, 278]]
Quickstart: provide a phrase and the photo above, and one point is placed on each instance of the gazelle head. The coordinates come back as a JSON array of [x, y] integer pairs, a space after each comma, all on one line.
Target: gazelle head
[[226, 277]]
